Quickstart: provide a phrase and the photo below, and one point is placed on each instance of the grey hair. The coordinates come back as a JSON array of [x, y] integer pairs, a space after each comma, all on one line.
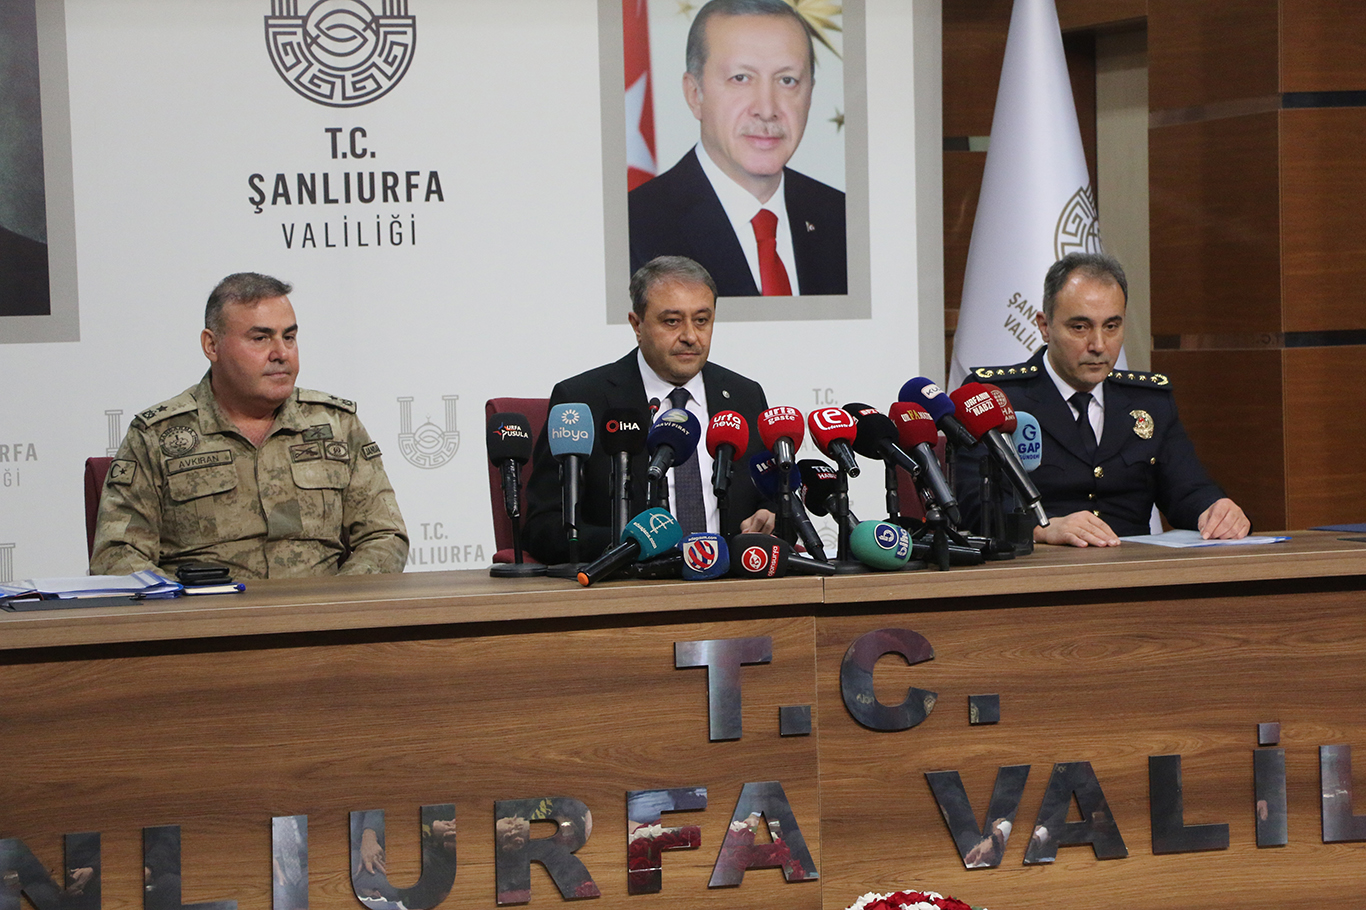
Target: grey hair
[[1097, 266], [663, 270], [697, 34], [241, 287]]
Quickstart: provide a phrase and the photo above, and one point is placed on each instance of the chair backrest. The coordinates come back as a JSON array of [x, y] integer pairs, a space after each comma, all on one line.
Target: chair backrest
[[907, 500], [535, 411], [96, 469]]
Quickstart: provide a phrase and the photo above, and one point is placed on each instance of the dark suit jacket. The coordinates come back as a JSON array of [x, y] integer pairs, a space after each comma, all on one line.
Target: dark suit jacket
[[23, 276], [679, 214], [618, 385], [1128, 474]]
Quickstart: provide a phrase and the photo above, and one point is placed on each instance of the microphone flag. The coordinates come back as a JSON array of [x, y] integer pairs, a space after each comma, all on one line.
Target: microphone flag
[[1036, 205]]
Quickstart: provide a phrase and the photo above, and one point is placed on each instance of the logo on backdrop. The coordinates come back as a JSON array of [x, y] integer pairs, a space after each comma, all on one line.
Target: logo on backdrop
[[429, 446], [6, 563], [115, 432], [341, 53], [1077, 230]]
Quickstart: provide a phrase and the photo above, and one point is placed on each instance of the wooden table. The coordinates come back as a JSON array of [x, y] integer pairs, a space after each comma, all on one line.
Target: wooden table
[[317, 697]]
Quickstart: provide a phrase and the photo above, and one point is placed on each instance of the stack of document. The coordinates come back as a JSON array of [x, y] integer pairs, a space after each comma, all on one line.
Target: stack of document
[[145, 584]]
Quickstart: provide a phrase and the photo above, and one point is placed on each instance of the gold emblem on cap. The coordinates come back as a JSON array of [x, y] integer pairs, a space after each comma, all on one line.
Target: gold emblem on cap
[[1143, 424]]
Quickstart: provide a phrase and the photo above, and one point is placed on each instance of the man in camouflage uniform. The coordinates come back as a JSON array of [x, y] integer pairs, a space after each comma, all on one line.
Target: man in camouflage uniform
[[246, 471]]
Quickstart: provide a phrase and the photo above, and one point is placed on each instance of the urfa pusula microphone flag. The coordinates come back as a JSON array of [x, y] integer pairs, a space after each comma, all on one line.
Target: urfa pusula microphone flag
[[1036, 204]]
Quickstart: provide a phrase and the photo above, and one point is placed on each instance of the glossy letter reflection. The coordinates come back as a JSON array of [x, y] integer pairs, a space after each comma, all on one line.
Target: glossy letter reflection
[[723, 658], [647, 838], [856, 679], [763, 803], [517, 849], [369, 879], [980, 847]]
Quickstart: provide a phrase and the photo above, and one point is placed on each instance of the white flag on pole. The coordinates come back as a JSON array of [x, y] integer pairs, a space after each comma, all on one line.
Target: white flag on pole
[[1036, 204]]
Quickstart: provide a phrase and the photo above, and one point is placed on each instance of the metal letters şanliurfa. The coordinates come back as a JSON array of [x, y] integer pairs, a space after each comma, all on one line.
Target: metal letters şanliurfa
[[1097, 827], [370, 882], [762, 803], [1335, 776], [517, 849], [647, 838]]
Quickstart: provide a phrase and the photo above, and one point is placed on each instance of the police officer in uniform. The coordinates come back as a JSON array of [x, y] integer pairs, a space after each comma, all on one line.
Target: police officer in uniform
[[246, 471], [1113, 444]]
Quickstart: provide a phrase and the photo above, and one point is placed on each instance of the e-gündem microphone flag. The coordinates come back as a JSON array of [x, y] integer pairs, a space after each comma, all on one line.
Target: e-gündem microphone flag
[[1037, 204]]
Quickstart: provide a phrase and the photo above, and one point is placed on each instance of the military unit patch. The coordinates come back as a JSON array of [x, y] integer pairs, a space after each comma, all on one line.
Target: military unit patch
[[308, 451], [336, 451], [370, 450], [179, 441], [202, 460], [121, 472], [1143, 424], [321, 431]]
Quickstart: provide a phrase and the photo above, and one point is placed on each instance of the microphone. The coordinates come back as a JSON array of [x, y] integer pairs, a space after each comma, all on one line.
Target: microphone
[[918, 434], [623, 436], [672, 440], [822, 483], [1028, 440], [940, 408], [727, 436], [705, 556], [985, 411], [766, 556], [782, 432], [834, 430], [508, 438], [654, 408], [1012, 419], [647, 535], [764, 471], [881, 545], [569, 427]]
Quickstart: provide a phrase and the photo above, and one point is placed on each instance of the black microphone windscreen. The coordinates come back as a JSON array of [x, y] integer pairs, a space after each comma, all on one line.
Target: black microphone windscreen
[[624, 430], [509, 437]]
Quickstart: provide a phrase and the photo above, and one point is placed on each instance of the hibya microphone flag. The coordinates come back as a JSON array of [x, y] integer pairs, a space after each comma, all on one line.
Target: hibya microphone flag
[[1036, 204]]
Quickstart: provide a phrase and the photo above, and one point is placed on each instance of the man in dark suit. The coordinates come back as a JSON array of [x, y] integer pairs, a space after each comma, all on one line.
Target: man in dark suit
[[673, 304], [731, 202], [1099, 486], [23, 276]]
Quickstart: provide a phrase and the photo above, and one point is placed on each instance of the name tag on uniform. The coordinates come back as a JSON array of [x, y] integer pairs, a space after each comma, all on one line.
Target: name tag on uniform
[[309, 451], [201, 460]]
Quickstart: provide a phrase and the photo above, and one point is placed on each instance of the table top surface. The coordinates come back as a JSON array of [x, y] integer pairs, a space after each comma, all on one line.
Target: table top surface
[[287, 606]]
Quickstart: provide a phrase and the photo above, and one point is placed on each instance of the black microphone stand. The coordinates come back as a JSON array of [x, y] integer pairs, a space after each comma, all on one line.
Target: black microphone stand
[[569, 485], [621, 484], [845, 563], [782, 525], [511, 501], [998, 546]]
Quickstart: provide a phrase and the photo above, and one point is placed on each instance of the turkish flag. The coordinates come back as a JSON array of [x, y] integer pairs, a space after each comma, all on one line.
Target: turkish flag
[[640, 107]]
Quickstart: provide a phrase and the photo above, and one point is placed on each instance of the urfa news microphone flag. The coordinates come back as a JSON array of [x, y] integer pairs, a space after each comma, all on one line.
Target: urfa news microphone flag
[[640, 105], [1036, 204]]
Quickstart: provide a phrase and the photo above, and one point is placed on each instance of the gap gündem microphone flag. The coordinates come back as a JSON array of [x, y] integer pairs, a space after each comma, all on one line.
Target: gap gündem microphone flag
[[1036, 204]]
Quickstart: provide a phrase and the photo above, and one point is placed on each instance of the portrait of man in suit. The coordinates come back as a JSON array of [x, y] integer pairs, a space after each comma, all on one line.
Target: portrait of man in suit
[[23, 223], [731, 202]]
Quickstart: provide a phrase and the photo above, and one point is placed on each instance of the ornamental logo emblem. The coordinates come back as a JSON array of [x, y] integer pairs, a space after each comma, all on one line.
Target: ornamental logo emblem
[[1077, 231], [1143, 424], [754, 559], [429, 446], [701, 554], [341, 53]]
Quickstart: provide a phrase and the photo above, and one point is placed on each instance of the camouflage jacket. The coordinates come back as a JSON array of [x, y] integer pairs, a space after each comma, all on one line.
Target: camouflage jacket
[[187, 486]]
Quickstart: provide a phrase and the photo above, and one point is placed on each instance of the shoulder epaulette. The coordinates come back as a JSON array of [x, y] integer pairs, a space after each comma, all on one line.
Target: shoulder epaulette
[[996, 374], [311, 396], [181, 404], [1140, 379]]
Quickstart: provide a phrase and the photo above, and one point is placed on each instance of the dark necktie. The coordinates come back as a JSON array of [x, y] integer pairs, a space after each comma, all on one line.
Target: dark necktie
[[1082, 402], [771, 270], [687, 489]]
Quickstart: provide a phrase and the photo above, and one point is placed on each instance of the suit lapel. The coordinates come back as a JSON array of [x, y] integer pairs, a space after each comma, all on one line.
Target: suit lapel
[[1117, 421], [705, 226]]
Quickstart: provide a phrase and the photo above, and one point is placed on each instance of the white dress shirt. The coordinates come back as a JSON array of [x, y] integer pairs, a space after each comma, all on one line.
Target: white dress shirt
[[697, 406], [740, 207]]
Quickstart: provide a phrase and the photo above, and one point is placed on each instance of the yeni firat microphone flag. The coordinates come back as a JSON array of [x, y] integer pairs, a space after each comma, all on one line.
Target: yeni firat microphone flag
[[1036, 205]]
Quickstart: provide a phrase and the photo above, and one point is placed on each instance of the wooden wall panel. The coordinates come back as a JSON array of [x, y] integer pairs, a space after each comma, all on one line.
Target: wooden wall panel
[[1110, 683], [220, 742], [1321, 43], [1211, 51], [1325, 465], [974, 46], [1230, 403], [1075, 14], [962, 186], [1214, 223], [1323, 222]]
